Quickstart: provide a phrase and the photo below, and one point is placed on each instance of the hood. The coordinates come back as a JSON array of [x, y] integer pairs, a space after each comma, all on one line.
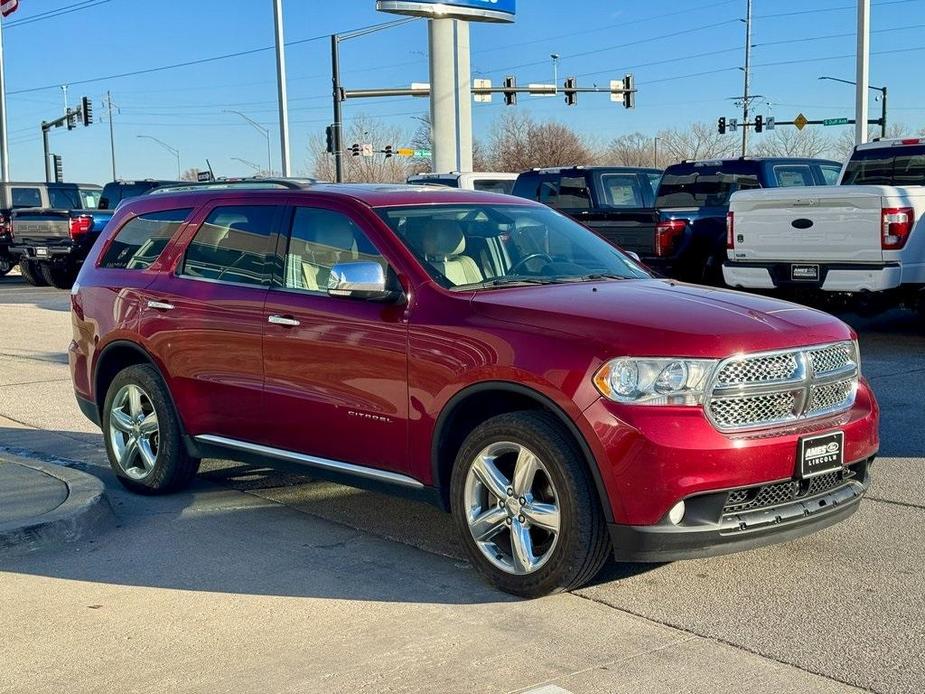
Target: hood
[[662, 317]]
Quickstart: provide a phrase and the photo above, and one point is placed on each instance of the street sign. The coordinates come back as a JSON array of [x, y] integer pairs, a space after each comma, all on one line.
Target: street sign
[[769, 123], [422, 87], [482, 84], [422, 153], [835, 121], [616, 90], [366, 150], [733, 124], [203, 176], [405, 152], [537, 89], [800, 121]]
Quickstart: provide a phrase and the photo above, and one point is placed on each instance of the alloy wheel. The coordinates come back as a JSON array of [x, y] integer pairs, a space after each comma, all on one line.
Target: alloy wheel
[[512, 507], [134, 431]]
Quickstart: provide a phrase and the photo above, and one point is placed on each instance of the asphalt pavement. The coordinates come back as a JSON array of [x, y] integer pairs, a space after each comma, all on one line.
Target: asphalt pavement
[[255, 579]]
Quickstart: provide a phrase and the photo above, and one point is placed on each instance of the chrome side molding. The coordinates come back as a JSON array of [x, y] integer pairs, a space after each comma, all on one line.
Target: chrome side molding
[[312, 461]]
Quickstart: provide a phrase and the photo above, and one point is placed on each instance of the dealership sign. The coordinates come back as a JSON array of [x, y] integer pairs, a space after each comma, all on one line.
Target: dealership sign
[[473, 10]]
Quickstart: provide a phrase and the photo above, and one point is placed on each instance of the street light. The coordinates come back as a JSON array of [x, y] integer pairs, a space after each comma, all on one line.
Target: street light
[[255, 167], [882, 91], [555, 71], [265, 131], [172, 150]]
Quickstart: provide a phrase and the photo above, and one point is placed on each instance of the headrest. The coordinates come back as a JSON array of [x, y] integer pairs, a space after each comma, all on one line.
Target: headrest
[[443, 238]]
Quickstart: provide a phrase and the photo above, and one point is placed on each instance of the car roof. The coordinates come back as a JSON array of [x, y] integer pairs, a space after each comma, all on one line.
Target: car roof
[[753, 160], [371, 194], [892, 142], [579, 167]]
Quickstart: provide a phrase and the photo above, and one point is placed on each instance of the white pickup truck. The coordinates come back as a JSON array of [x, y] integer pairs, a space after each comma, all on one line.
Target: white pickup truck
[[864, 236]]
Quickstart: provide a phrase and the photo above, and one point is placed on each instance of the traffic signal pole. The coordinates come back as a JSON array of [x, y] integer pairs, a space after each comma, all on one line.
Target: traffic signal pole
[[338, 124]]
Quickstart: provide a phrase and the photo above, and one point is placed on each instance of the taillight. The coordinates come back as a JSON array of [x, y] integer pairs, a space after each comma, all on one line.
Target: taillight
[[80, 225], [895, 225], [667, 233], [730, 230]]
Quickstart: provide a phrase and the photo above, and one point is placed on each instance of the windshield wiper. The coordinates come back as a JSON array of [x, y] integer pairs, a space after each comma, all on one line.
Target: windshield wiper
[[513, 281], [603, 276]]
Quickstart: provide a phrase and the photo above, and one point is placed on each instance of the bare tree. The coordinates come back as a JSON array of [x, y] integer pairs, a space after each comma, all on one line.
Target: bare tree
[[698, 141], [632, 149], [790, 142], [189, 175], [518, 142], [374, 169]]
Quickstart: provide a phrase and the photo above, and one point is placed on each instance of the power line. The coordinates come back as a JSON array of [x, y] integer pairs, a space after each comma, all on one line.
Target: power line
[[832, 9], [51, 14]]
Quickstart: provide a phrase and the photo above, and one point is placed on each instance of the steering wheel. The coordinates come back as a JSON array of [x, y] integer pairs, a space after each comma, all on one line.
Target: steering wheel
[[523, 261]]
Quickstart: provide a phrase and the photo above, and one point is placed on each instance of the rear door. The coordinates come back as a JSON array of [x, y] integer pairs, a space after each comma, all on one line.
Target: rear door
[[205, 319]]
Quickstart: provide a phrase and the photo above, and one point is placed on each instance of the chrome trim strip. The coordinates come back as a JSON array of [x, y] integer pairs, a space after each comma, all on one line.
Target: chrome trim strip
[[323, 463]]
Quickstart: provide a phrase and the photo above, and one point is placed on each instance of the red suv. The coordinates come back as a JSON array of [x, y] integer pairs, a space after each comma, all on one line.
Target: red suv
[[479, 351]]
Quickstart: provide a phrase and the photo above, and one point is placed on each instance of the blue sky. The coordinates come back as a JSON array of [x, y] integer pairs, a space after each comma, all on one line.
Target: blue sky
[[685, 55]]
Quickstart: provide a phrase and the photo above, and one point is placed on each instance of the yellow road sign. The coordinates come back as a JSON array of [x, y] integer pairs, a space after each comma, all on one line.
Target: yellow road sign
[[405, 152], [800, 121]]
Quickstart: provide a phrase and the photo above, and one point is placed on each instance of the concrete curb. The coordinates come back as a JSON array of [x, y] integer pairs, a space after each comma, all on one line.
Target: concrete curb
[[85, 509]]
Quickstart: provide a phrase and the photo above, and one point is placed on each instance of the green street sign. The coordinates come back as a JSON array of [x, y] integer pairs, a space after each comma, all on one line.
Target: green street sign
[[835, 121], [422, 153]]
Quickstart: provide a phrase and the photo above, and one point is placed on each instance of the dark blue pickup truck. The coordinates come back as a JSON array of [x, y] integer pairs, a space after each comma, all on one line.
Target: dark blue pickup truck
[[692, 201]]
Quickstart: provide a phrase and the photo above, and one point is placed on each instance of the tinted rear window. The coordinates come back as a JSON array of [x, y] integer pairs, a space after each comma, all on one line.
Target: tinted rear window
[[26, 197], [887, 166], [139, 243], [114, 193], [704, 185], [494, 186]]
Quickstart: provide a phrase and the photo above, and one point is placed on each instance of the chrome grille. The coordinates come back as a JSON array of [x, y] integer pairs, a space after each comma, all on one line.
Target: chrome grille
[[774, 367], [750, 498], [756, 409], [832, 395], [755, 391], [831, 358]]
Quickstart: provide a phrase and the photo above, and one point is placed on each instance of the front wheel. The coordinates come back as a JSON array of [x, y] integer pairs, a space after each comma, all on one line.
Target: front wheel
[[526, 508], [142, 434]]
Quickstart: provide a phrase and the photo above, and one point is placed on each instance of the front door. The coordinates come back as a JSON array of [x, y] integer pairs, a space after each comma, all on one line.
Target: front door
[[205, 321], [336, 368]]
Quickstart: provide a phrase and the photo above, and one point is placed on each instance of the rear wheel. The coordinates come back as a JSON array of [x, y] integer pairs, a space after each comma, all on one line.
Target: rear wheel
[[142, 433], [59, 276], [526, 507], [31, 273], [6, 264]]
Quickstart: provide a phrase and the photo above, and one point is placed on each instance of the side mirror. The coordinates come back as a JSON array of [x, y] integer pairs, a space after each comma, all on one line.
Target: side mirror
[[359, 280]]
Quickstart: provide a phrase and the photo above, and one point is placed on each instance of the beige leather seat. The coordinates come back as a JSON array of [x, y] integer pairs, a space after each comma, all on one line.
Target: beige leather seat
[[443, 245]]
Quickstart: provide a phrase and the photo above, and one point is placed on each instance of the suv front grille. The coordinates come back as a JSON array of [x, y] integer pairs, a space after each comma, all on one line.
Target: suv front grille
[[740, 500], [753, 391]]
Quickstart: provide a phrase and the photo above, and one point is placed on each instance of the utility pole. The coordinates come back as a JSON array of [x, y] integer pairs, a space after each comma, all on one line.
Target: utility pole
[[338, 122], [112, 139], [64, 90], [281, 87], [4, 148], [863, 76], [655, 151], [746, 96]]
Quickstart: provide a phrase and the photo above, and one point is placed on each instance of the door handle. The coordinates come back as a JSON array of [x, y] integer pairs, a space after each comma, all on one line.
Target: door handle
[[283, 320], [162, 305]]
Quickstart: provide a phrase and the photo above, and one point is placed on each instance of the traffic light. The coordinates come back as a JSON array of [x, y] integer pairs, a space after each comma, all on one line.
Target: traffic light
[[71, 119], [510, 96], [59, 170], [759, 123], [571, 96], [721, 125], [388, 151], [329, 135], [86, 109], [629, 91], [355, 149]]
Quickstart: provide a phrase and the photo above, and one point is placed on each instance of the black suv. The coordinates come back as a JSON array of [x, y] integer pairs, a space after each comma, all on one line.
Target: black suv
[[115, 192], [616, 202]]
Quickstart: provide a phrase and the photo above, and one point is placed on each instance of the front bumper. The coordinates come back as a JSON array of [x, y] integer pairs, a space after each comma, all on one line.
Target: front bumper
[[833, 277], [711, 527]]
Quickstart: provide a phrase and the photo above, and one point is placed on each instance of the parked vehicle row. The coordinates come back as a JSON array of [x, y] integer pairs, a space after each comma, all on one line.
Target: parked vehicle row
[[482, 352]]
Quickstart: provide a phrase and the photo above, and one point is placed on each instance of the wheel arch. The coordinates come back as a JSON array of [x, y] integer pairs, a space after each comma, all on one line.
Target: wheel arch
[[477, 403]]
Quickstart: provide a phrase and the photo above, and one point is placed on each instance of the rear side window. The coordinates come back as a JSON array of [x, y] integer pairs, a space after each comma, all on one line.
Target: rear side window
[[830, 174], [703, 186], [26, 197], [232, 245], [574, 194], [140, 241], [887, 166], [622, 190], [788, 175]]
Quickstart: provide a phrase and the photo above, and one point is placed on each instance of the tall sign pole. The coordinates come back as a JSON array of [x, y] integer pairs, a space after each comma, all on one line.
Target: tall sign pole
[[463, 97], [281, 85], [442, 43], [863, 72], [4, 146], [746, 97]]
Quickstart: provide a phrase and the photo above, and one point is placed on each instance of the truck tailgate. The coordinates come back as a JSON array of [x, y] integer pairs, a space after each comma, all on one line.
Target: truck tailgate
[[630, 230], [821, 224], [40, 226]]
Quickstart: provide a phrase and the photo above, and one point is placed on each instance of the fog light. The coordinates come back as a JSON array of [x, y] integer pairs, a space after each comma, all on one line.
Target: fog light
[[676, 514]]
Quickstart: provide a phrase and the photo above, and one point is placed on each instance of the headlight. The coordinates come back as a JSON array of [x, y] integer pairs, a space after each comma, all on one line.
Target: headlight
[[654, 381]]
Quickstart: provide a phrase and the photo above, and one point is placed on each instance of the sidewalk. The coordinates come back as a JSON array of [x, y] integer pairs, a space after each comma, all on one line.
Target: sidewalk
[[42, 504]]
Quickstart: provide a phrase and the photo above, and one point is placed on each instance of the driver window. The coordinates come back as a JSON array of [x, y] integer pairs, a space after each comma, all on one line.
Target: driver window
[[318, 240]]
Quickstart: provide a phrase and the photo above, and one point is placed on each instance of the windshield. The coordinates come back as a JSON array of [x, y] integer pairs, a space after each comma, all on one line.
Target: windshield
[[702, 187], [887, 166], [90, 198], [486, 246]]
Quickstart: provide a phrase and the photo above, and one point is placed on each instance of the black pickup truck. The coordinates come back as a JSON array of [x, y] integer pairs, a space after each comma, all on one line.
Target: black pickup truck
[[616, 202]]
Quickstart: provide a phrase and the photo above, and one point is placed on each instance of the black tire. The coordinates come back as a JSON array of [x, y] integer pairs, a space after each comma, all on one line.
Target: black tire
[[58, 276], [31, 273], [583, 544], [6, 264], [174, 468]]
